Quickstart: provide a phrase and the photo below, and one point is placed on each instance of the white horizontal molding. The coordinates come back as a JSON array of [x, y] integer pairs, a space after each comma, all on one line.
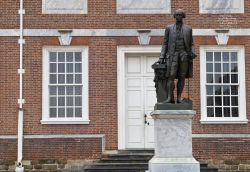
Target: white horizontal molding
[[115, 32]]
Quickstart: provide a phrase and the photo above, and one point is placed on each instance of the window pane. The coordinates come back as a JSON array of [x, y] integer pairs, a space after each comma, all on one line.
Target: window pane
[[234, 100], [78, 90], [52, 101], [209, 56], [61, 57], [235, 112], [52, 56], [217, 67], [209, 67], [209, 78], [69, 90], [69, 56], [226, 78], [61, 68], [209, 90], [69, 67], [217, 56], [69, 101], [61, 90], [61, 101], [78, 112], [217, 90], [70, 112], [226, 90], [218, 112], [52, 68], [210, 100], [78, 56], [52, 113], [234, 78], [53, 90], [78, 101], [61, 79], [61, 112], [234, 90], [225, 56], [217, 78], [225, 67], [210, 112], [234, 56], [234, 67], [70, 79], [78, 67], [226, 112], [226, 101], [78, 78], [218, 101], [52, 79]]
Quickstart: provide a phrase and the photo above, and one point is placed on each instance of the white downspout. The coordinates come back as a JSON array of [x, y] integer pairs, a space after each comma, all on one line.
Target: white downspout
[[21, 41]]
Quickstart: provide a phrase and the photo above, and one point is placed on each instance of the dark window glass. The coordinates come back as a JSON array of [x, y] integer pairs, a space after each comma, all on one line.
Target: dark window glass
[[52, 56], [217, 56], [209, 56], [78, 112], [234, 90], [218, 101], [234, 100], [218, 112], [210, 112], [226, 90], [61, 112], [225, 56], [217, 90], [226, 112], [70, 112], [52, 113], [53, 90], [210, 101], [234, 56], [218, 78], [209, 67], [210, 90], [226, 78], [69, 56], [209, 78], [217, 67], [234, 67], [225, 67], [235, 112], [61, 57], [78, 56], [52, 68], [234, 78], [226, 101], [53, 79]]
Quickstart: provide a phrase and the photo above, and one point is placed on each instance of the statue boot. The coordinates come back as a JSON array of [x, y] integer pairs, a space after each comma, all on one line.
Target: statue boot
[[170, 92]]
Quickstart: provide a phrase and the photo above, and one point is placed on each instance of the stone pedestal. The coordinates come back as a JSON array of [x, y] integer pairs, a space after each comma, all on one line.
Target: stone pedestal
[[173, 142]]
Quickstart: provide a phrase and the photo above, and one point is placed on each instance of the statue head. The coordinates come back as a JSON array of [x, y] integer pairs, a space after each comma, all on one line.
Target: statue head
[[179, 15]]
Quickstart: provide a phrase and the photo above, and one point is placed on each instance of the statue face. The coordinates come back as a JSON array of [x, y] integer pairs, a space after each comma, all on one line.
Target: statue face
[[179, 17]]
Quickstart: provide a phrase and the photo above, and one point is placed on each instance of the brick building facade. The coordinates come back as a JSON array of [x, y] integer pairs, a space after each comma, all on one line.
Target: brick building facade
[[78, 101]]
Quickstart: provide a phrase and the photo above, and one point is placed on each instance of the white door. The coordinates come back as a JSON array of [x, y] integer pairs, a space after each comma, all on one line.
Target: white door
[[140, 100]]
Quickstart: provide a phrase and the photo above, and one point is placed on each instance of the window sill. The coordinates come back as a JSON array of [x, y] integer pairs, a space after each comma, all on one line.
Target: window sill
[[65, 122], [224, 122]]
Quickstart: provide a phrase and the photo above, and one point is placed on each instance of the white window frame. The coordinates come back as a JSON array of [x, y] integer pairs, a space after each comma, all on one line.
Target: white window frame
[[242, 119], [45, 92], [53, 10]]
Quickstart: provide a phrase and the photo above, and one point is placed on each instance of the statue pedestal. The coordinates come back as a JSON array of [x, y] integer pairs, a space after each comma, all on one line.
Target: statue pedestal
[[173, 142]]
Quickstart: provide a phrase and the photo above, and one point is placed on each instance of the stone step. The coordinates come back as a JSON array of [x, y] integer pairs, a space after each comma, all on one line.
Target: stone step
[[208, 169], [116, 169]]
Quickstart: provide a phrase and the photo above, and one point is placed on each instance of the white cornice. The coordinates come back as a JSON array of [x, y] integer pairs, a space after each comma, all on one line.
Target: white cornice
[[115, 32]]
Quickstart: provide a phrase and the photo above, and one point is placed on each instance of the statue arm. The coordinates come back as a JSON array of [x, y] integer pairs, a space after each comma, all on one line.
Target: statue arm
[[192, 55], [164, 48]]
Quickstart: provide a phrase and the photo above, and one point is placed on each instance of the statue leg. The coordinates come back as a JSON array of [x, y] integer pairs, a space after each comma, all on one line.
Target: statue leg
[[183, 69], [170, 90]]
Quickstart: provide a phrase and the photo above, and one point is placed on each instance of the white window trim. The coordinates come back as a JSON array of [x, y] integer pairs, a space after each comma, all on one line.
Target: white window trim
[[242, 91], [83, 10], [85, 92]]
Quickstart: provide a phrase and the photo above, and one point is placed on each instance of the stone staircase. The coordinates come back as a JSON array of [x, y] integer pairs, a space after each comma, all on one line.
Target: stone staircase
[[130, 161]]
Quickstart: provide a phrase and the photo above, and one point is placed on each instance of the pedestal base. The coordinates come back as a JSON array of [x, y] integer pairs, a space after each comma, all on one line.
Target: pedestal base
[[173, 165]]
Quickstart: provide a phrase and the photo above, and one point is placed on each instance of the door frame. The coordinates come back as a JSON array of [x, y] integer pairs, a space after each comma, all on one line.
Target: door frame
[[121, 55]]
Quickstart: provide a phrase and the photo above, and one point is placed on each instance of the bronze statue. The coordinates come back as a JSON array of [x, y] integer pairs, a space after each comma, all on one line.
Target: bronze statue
[[177, 56]]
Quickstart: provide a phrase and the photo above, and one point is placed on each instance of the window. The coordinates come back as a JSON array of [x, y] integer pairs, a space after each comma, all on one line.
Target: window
[[223, 85], [221, 6], [64, 7], [143, 7], [65, 85]]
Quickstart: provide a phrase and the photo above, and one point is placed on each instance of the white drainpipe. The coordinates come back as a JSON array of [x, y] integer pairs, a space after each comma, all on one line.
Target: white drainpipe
[[21, 41]]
